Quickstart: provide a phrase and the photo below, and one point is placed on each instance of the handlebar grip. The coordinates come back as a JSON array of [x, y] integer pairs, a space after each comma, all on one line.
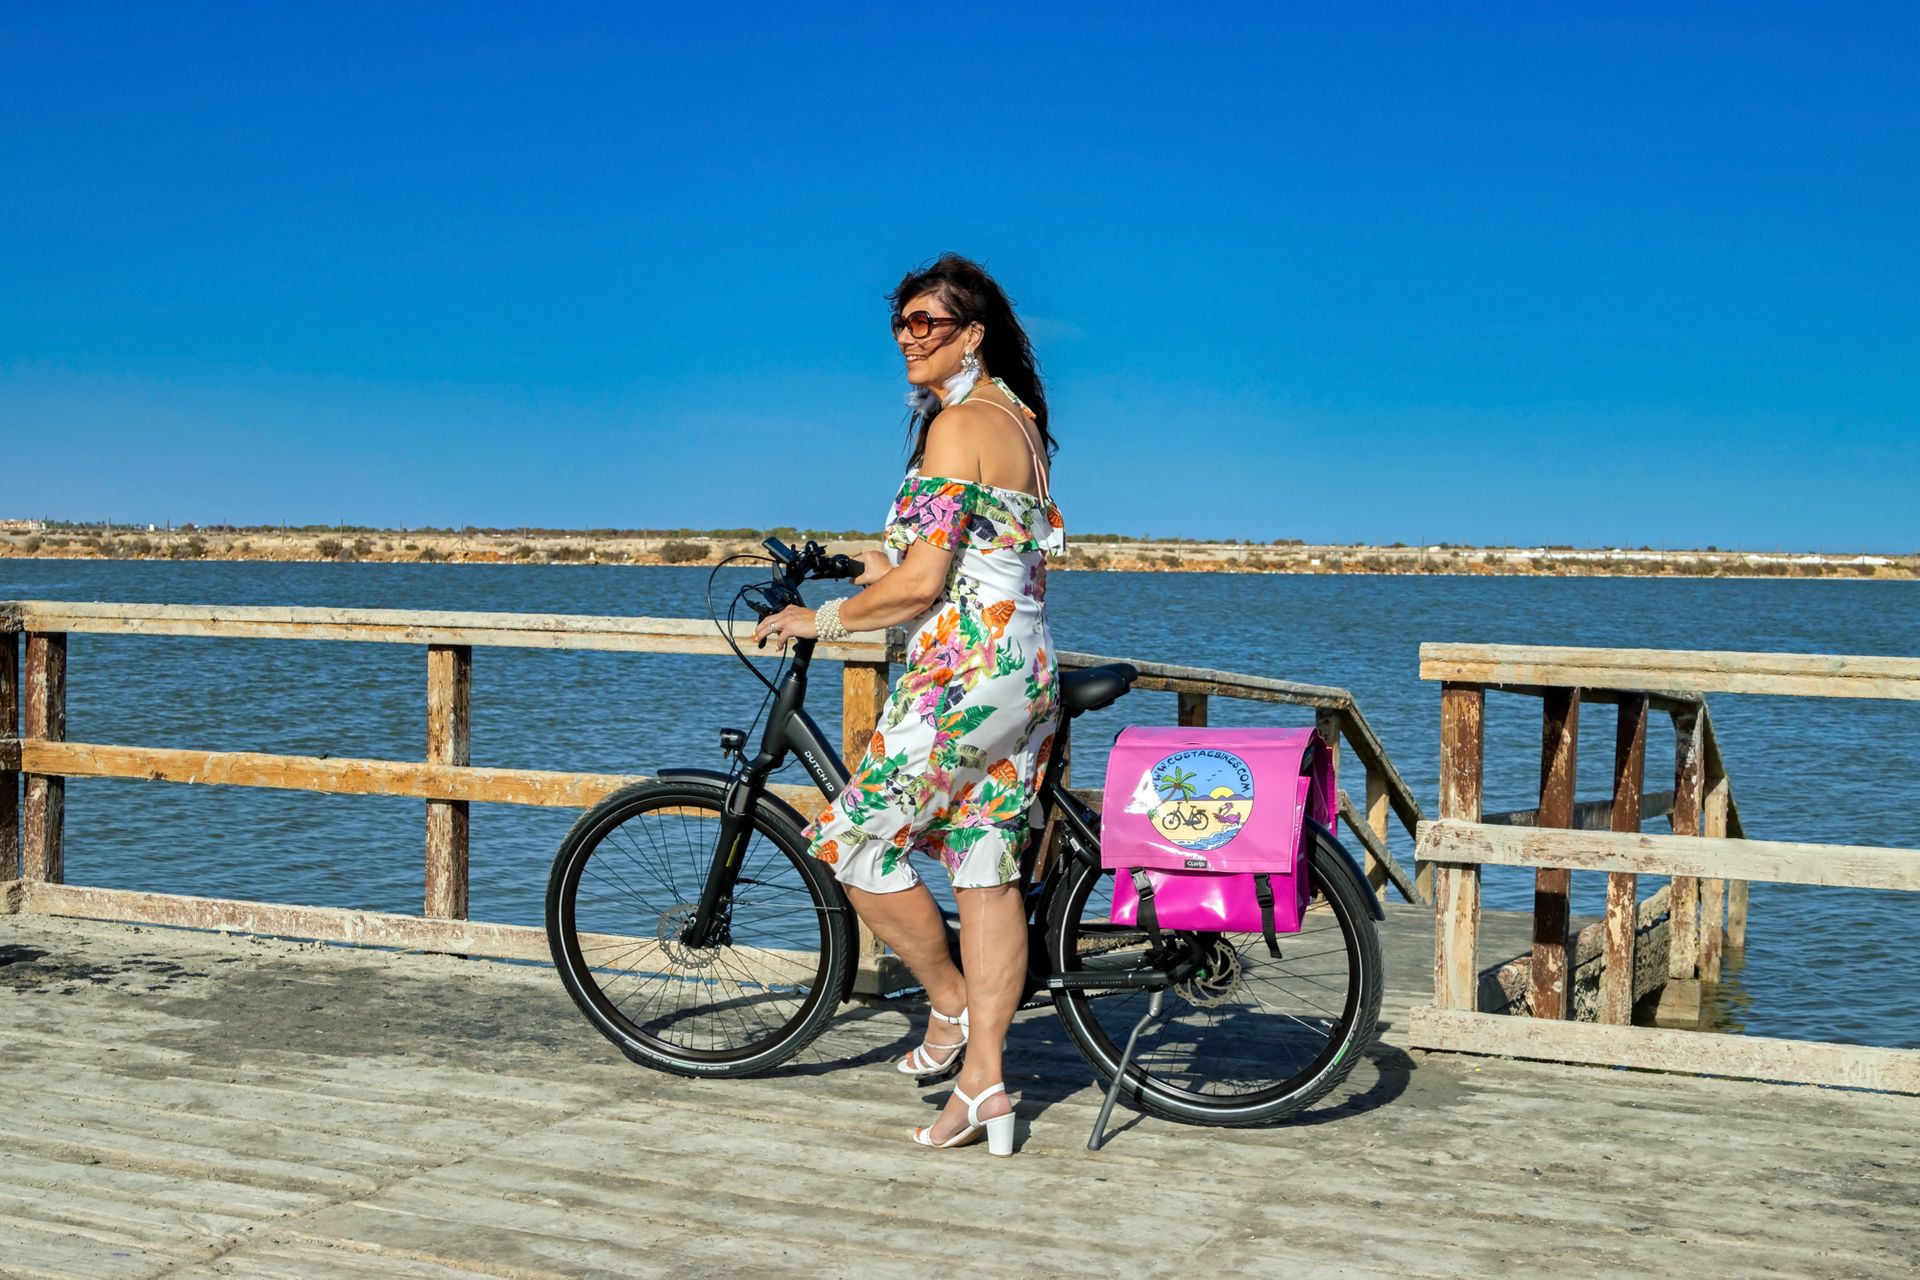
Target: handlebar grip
[[843, 567]]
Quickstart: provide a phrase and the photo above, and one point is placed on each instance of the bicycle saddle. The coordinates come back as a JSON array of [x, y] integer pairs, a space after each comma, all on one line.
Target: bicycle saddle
[[1091, 688]]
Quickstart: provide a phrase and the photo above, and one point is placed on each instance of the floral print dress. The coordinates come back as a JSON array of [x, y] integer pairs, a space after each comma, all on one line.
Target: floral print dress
[[953, 768]]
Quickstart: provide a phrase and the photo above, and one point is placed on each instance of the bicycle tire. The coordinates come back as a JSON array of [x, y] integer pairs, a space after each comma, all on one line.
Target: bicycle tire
[[763, 1004], [1159, 1080]]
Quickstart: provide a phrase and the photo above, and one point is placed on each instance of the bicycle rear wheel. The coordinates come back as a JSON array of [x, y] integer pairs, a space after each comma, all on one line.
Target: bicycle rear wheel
[[626, 880], [1257, 1038]]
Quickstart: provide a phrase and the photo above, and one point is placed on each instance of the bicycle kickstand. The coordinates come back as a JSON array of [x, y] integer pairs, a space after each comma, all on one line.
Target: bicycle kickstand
[[1155, 1002]]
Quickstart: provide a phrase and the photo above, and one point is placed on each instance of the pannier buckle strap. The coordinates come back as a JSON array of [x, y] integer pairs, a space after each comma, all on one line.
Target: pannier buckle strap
[[1143, 887], [1263, 894]]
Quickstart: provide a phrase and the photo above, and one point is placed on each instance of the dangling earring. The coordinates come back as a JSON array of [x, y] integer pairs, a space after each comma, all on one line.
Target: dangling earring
[[961, 384]]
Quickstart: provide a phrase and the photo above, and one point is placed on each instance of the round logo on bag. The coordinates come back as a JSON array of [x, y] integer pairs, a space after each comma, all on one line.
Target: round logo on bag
[[1199, 798]]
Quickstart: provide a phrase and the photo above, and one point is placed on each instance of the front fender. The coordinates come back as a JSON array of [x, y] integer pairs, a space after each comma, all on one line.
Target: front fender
[[721, 778]]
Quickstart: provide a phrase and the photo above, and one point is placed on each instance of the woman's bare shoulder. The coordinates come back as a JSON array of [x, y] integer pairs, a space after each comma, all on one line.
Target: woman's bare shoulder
[[953, 448], [996, 435]]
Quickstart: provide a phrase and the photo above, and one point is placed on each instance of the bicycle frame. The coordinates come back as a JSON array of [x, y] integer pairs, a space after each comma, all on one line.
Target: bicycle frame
[[791, 730]]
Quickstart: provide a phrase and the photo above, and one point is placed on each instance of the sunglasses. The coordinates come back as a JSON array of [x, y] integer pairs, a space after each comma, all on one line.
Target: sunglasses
[[920, 324]]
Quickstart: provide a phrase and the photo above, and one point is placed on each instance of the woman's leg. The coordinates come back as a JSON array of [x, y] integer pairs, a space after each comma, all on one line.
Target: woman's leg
[[910, 922], [993, 947]]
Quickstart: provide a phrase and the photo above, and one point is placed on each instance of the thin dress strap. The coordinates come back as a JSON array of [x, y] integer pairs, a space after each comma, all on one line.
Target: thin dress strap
[[1039, 472]]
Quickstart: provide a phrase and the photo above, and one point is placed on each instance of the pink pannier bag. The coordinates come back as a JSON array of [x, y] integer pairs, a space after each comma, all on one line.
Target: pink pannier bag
[[1204, 825]]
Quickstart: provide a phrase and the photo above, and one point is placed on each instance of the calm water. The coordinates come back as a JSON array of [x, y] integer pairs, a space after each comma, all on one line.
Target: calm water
[[1821, 770]]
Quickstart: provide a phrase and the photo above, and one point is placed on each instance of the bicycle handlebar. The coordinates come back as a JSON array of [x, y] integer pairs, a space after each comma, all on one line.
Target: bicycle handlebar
[[811, 561]]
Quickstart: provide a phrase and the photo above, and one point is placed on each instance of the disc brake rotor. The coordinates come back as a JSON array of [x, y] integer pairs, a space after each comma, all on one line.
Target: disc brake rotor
[[673, 924], [1218, 978]]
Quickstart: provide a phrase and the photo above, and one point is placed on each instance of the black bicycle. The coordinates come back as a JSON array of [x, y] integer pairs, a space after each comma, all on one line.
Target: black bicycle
[[691, 927]]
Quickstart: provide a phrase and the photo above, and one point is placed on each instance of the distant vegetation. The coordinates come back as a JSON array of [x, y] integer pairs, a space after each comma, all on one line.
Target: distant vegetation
[[471, 544]]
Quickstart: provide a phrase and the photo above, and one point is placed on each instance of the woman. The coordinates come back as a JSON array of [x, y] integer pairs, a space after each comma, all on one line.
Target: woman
[[954, 767]]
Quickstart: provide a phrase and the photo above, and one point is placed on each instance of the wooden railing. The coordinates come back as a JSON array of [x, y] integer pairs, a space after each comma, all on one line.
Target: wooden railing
[[1336, 716], [32, 863], [1707, 855]]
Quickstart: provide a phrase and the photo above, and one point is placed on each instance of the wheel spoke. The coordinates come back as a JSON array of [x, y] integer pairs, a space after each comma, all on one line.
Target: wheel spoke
[[630, 885], [1256, 1037]]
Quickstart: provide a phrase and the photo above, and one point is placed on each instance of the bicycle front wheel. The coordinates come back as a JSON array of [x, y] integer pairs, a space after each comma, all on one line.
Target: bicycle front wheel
[[627, 879], [1251, 1040]]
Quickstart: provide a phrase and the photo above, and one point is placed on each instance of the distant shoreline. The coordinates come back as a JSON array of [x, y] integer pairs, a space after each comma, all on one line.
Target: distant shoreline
[[1099, 553]]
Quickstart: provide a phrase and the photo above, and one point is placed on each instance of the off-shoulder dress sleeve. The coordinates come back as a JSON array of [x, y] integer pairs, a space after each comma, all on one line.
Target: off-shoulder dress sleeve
[[932, 507]]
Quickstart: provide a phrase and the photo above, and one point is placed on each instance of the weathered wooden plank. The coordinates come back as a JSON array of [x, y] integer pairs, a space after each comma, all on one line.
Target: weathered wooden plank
[[344, 775], [1456, 889], [1178, 678], [449, 741], [1785, 862], [1621, 926], [1192, 709], [410, 626], [1508, 988], [863, 699], [1807, 675], [1653, 1049], [375, 928], [1376, 850], [1736, 936], [43, 811], [1689, 765], [9, 755], [1735, 933], [1378, 809], [1326, 723], [1552, 910], [1713, 822], [1716, 767]]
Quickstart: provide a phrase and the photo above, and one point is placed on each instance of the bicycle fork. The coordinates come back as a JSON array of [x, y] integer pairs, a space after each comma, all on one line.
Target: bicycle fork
[[790, 730], [711, 920]]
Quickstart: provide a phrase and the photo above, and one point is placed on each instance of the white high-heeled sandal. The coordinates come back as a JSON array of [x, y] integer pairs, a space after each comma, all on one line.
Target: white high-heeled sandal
[[999, 1128], [922, 1061]]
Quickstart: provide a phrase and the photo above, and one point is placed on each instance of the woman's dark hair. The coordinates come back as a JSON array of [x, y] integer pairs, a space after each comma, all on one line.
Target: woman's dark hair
[[966, 289]]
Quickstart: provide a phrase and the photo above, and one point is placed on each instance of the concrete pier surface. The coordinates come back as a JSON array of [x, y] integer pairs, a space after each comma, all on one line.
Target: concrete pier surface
[[192, 1104]]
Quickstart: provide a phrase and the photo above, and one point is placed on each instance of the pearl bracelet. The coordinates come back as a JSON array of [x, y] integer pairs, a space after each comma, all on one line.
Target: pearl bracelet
[[827, 624]]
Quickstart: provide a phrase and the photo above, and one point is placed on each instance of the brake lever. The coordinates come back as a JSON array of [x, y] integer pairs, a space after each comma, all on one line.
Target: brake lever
[[779, 596]]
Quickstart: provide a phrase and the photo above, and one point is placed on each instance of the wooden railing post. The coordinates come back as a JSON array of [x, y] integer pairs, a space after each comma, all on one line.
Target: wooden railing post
[[1456, 890], [1713, 823], [9, 755], [1618, 941], [449, 741], [1193, 708], [1551, 983], [1378, 808], [1722, 819], [863, 698], [43, 812], [1735, 938], [1683, 954]]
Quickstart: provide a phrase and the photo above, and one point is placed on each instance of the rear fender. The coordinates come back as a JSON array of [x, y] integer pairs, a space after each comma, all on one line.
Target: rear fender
[[1345, 863]]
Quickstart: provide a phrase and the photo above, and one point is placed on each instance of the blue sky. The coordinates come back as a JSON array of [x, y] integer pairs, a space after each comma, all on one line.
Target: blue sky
[[1444, 272]]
